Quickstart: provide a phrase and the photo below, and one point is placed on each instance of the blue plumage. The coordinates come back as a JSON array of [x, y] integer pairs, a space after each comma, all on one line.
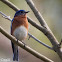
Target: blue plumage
[[14, 24], [14, 47], [20, 12]]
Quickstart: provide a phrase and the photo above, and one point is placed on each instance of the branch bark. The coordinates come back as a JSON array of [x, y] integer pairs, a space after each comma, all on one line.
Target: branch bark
[[25, 47], [36, 13]]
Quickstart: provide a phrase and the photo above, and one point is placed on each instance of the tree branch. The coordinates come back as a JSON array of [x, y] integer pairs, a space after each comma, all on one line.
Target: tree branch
[[36, 13], [10, 5], [49, 33], [25, 47]]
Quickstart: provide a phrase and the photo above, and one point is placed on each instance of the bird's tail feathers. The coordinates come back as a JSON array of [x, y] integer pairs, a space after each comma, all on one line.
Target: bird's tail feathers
[[15, 53]]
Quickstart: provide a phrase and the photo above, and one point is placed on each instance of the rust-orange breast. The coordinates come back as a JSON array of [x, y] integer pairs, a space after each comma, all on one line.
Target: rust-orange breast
[[18, 21]]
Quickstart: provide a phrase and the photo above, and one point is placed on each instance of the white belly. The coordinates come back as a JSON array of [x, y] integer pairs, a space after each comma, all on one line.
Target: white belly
[[20, 33]]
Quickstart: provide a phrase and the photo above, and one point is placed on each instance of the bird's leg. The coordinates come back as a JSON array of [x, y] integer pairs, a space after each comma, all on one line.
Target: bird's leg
[[59, 45], [28, 37], [22, 42], [17, 40], [17, 51]]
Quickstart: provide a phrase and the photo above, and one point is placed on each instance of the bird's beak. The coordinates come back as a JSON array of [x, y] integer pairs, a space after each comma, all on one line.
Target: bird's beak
[[27, 11]]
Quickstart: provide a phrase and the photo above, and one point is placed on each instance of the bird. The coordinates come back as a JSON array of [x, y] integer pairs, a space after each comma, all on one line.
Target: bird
[[19, 29]]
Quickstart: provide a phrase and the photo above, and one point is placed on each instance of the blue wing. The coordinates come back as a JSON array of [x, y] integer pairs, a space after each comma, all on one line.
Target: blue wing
[[14, 47]]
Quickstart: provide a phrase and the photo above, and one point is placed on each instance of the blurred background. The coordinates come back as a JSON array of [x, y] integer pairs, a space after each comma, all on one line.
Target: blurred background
[[51, 11]]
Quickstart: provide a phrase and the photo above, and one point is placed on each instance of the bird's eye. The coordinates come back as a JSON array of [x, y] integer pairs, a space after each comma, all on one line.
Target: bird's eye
[[21, 11]]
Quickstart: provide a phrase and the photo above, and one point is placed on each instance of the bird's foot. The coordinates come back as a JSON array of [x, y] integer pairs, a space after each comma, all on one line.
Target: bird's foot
[[23, 43]]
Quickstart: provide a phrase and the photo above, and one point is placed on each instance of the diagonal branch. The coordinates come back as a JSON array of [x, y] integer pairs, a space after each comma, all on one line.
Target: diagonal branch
[[25, 47], [10, 5], [5, 16]]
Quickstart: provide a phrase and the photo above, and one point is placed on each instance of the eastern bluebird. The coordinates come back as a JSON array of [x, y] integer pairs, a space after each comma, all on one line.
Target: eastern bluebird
[[19, 29]]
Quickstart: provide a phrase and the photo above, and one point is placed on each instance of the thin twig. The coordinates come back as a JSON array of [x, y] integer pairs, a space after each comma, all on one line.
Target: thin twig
[[25, 47], [40, 41], [5, 16]]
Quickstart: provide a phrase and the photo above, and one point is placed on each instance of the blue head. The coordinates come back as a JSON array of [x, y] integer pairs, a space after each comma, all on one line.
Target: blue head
[[20, 12]]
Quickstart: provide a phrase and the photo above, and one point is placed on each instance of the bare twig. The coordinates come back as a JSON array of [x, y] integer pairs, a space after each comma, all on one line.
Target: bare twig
[[40, 41], [25, 47], [5, 16]]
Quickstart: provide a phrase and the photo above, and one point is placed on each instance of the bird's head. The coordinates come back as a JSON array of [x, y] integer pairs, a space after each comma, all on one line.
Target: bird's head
[[21, 12]]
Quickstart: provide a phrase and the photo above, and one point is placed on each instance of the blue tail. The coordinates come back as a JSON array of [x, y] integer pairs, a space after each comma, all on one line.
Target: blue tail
[[14, 47], [15, 52]]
